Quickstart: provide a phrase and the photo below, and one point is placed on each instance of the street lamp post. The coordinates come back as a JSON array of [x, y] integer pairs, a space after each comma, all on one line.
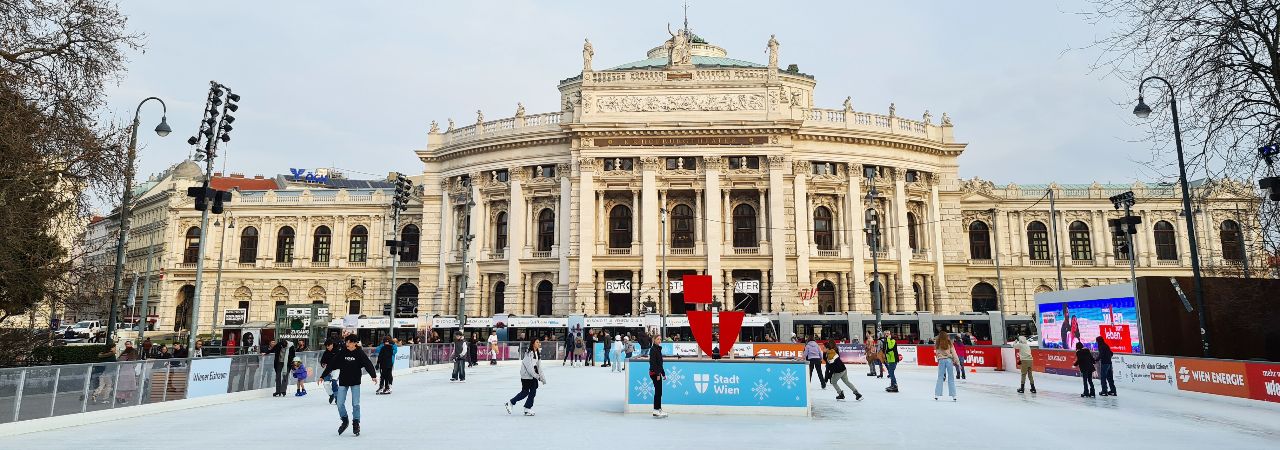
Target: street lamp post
[[874, 223], [123, 239], [665, 290], [217, 284], [995, 233], [1142, 111]]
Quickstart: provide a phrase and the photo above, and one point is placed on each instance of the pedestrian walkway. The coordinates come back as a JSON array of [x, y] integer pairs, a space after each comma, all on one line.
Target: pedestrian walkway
[[584, 405]]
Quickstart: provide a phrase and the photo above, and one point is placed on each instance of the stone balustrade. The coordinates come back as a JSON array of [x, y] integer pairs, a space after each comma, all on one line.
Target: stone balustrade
[[503, 127], [853, 120]]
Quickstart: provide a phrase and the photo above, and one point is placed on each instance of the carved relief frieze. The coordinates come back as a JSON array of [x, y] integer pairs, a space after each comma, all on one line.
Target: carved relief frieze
[[668, 103]]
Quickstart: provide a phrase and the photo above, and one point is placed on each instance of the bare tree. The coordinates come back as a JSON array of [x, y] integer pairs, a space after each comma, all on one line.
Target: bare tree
[[1223, 59]]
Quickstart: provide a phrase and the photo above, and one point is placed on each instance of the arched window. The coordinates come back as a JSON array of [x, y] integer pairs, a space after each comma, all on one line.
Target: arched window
[[620, 227], [682, 226], [1166, 242], [406, 300], [912, 233], [353, 307], [822, 229], [284, 245], [979, 240], [500, 232], [826, 297], [744, 226], [359, 244], [1078, 233], [499, 294], [320, 244], [1038, 241], [544, 298], [984, 297], [248, 245], [546, 230], [191, 253], [409, 234], [871, 221], [1231, 241]]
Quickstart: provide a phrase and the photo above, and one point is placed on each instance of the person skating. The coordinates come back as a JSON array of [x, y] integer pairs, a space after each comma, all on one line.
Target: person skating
[[331, 384], [837, 372], [657, 374], [891, 358], [944, 353], [589, 342], [459, 360], [568, 347], [961, 349], [608, 347], [1022, 351], [283, 352], [1106, 375], [813, 354], [617, 361], [875, 356], [1084, 361], [530, 375], [349, 362], [493, 348], [473, 351], [579, 351], [299, 373], [386, 362]]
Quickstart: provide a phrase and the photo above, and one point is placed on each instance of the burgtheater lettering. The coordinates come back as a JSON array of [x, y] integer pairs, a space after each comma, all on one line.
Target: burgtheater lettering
[[677, 141]]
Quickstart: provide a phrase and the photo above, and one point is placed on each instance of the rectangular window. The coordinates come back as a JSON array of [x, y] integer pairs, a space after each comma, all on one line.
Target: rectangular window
[[823, 168], [682, 163], [1121, 245], [870, 171], [359, 248], [501, 175], [744, 162], [912, 176], [618, 164]]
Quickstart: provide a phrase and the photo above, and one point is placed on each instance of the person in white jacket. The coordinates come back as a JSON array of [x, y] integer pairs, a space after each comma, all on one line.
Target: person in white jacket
[[493, 348], [1022, 353], [530, 375]]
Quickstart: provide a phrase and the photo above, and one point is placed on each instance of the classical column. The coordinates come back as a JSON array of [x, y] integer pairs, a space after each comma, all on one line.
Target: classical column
[[940, 275], [800, 189], [780, 276], [904, 248], [601, 298], [1146, 245], [697, 209], [564, 230], [601, 216], [857, 243], [516, 221], [762, 220], [727, 214], [478, 220], [635, 218], [635, 293], [588, 221], [649, 228], [727, 298], [446, 236], [766, 302], [713, 219]]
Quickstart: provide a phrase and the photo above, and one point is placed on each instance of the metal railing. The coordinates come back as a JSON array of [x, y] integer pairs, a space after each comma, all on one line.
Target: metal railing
[[28, 393]]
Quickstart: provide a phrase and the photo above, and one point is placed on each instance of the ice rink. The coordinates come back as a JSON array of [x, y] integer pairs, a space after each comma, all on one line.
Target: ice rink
[[583, 407]]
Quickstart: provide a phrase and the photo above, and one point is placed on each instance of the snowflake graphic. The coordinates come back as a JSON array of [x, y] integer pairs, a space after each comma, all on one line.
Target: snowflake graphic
[[761, 390], [674, 377], [788, 378], [644, 389]]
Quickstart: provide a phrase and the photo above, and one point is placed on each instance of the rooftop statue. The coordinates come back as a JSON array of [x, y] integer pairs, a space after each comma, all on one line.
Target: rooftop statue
[[773, 51], [587, 52]]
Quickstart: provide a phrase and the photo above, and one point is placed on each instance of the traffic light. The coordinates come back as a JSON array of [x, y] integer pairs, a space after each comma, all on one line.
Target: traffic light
[[1272, 185], [202, 197], [393, 246], [218, 198], [404, 188]]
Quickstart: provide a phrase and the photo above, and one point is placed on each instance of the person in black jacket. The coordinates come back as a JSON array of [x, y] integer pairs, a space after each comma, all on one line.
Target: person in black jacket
[[657, 374], [589, 341], [1084, 360], [330, 349], [349, 362], [386, 362], [459, 360], [1106, 376], [284, 353], [473, 348]]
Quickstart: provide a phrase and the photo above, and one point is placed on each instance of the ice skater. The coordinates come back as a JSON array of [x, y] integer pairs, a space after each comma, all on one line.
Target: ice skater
[[657, 374], [530, 375], [1106, 375], [617, 363], [493, 348], [331, 384], [300, 373], [813, 354], [875, 357], [386, 362], [961, 351], [891, 358], [349, 362], [1022, 351], [944, 353], [1084, 360], [459, 360], [836, 372]]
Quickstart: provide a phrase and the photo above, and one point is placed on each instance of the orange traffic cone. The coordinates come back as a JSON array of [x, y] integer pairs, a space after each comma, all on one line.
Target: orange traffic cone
[[972, 370]]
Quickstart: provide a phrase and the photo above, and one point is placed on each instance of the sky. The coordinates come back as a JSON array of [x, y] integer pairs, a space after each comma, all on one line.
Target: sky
[[355, 85]]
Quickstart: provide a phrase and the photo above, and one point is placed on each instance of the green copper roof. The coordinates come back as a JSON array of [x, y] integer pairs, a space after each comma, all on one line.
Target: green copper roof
[[699, 61]]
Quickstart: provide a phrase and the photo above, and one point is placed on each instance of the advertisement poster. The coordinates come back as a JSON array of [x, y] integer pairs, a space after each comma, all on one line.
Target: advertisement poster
[[1058, 362], [909, 354], [208, 376], [1264, 381], [403, 354], [852, 353], [1081, 315], [974, 356], [717, 384], [1145, 373], [1212, 377], [782, 351], [577, 325]]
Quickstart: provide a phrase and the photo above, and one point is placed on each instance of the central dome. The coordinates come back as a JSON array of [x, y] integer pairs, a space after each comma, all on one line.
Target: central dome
[[702, 55]]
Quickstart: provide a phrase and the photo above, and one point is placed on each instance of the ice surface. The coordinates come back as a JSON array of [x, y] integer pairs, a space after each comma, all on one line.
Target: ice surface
[[582, 407]]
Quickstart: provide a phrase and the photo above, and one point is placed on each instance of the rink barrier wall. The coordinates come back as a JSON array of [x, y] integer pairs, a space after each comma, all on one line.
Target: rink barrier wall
[[77, 393], [1251, 380]]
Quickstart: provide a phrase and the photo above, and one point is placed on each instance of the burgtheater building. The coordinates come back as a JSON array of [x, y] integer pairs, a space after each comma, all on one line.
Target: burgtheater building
[[687, 162]]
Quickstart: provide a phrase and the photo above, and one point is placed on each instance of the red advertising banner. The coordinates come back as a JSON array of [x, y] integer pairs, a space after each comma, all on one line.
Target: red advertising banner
[[1059, 362], [786, 351], [974, 356], [1211, 377], [1264, 381], [1116, 336]]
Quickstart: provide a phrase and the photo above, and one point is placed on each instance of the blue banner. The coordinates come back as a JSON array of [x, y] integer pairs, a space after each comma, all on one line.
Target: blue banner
[[773, 384]]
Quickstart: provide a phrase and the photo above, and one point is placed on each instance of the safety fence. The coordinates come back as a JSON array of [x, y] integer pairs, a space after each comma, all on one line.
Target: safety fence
[[1255, 380], [28, 393]]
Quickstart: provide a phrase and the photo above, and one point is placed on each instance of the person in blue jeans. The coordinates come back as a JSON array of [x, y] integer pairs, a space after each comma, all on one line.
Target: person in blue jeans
[[349, 362], [891, 358], [530, 375], [945, 354]]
